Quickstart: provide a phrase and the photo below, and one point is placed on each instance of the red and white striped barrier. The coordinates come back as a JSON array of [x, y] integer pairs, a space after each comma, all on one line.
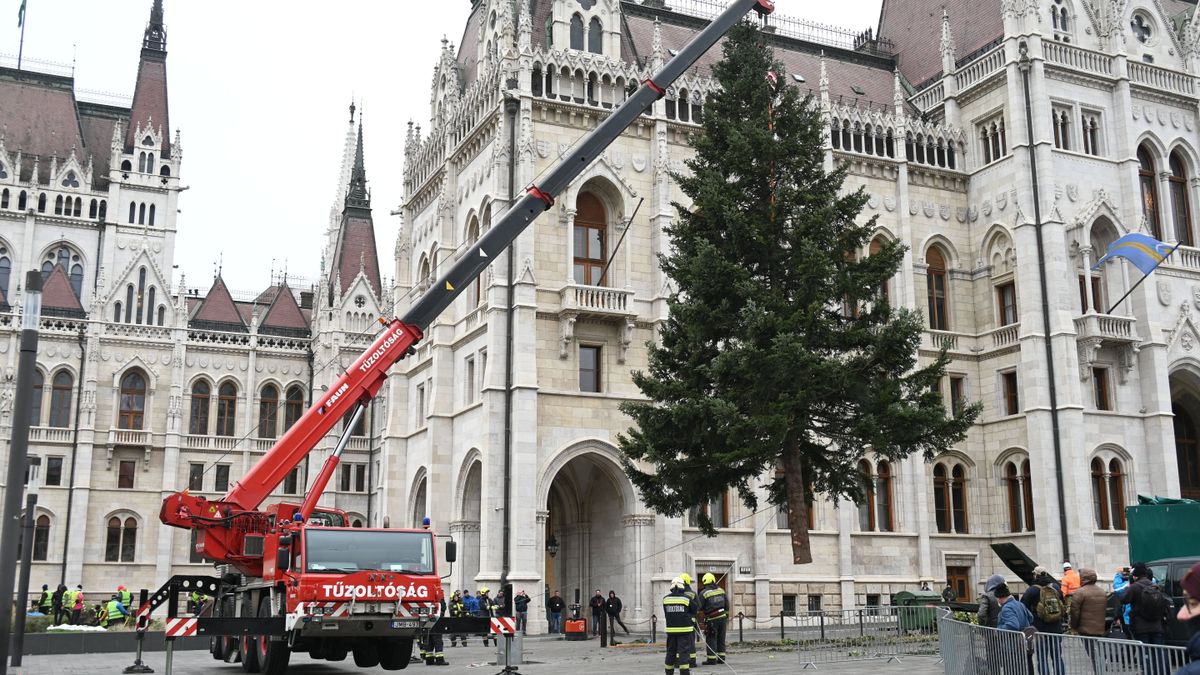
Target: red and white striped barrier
[[411, 610], [504, 625], [182, 627]]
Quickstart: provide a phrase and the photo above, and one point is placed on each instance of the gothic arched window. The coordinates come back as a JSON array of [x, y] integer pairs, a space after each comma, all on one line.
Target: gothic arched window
[[595, 36], [35, 410], [577, 32], [60, 399], [121, 540], [133, 401], [950, 497], [936, 288], [1181, 211], [226, 408], [294, 407], [268, 411], [590, 238], [1146, 178], [201, 396], [41, 537]]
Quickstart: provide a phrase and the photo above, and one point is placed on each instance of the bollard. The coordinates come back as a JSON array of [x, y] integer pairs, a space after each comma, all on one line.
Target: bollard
[[603, 631], [170, 653], [653, 628], [862, 629], [822, 626], [143, 622], [741, 629], [781, 636]]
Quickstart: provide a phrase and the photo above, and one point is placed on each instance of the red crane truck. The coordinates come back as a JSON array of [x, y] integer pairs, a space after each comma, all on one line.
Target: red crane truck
[[295, 577]]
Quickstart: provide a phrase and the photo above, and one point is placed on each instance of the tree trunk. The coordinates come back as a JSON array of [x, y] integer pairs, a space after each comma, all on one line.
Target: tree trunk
[[797, 503]]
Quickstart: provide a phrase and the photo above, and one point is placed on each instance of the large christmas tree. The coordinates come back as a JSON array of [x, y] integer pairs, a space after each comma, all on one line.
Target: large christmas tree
[[781, 352]]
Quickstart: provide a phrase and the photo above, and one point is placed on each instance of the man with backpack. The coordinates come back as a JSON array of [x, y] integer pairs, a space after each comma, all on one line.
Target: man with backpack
[[1149, 612], [1045, 601]]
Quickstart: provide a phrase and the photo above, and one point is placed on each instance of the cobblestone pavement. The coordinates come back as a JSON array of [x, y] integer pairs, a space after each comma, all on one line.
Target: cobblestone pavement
[[543, 655]]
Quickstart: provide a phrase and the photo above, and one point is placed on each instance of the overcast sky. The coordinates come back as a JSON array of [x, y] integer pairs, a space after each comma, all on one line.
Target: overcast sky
[[260, 91]]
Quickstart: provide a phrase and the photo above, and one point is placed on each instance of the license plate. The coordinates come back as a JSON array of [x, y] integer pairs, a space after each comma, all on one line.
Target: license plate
[[406, 623]]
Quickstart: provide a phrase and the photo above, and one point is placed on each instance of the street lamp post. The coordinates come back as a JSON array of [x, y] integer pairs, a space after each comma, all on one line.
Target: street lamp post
[[18, 451], [29, 524]]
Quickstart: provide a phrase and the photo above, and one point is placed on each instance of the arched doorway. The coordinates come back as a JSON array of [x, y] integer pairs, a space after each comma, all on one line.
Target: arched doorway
[[1185, 404], [588, 500]]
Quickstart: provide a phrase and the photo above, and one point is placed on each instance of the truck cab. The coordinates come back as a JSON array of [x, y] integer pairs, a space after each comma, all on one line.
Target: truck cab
[[1168, 573]]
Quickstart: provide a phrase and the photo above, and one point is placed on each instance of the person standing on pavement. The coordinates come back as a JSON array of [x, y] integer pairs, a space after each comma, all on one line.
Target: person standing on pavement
[[521, 608], [1149, 610], [715, 606], [987, 615], [1043, 599], [598, 607], [77, 606], [555, 607], [1085, 612], [486, 609], [457, 610], [679, 612], [45, 603], [1071, 580], [612, 607], [1014, 616], [687, 590], [1189, 615], [57, 601], [948, 593]]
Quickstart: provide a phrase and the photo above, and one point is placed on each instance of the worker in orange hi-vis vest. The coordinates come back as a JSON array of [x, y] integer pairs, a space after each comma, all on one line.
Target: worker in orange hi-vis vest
[[1070, 579]]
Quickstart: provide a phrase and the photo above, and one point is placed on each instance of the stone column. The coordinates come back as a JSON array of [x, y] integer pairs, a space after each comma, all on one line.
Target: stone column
[[847, 512], [568, 223], [637, 528], [1085, 253], [466, 534]]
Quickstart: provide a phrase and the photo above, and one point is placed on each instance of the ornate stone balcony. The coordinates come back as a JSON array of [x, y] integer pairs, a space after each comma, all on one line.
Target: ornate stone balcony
[[596, 303], [1094, 331], [50, 434], [132, 437]]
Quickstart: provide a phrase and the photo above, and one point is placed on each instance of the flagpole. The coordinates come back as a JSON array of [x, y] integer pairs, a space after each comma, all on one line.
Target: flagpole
[[21, 48], [1139, 283]]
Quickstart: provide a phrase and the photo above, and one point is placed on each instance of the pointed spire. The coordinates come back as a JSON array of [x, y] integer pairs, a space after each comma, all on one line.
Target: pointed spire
[[358, 195], [155, 36], [823, 83], [947, 46], [898, 93], [657, 53]]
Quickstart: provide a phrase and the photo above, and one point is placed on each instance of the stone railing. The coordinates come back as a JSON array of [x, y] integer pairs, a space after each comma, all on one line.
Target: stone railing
[[979, 69], [939, 339], [359, 443], [1184, 256], [136, 330], [929, 97], [50, 434], [597, 300], [1078, 58], [206, 442], [1161, 78], [1106, 327], [128, 437], [1005, 335]]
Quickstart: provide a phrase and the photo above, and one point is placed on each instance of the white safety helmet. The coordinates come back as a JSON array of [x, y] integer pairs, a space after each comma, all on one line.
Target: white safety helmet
[[677, 583]]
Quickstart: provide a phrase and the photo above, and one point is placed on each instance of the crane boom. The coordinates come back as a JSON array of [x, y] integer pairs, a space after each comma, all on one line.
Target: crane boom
[[362, 381]]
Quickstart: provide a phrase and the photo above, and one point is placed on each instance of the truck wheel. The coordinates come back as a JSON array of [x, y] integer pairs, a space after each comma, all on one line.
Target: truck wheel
[[394, 654], [248, 649], [229, 648], [273, 654], [335, 650], [366, 654]]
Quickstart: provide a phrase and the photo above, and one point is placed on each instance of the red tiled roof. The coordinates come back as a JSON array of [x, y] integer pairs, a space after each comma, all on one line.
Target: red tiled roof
[[218, 306], [267, 296], [355, 249], [284, 311], [97, 123], [39, 117], [915, 28], [467, 54], [150, 100], [57, 292]]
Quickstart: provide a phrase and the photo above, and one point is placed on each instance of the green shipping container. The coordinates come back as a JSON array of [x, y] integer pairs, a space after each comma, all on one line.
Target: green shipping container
[[1158, 531]]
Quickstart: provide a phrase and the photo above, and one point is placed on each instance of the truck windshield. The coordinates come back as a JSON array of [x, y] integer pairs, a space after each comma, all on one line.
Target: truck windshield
[[353, 550]]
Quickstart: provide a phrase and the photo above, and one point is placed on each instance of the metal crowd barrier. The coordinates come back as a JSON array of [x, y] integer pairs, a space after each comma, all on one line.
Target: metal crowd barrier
[[968, 649], [862, 634]]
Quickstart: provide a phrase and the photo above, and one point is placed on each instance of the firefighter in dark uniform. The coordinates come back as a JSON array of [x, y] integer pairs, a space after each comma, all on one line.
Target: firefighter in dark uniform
[[487, 608], [433, 644], [679, 613], [691, 594], [458, 609], [715, 607]]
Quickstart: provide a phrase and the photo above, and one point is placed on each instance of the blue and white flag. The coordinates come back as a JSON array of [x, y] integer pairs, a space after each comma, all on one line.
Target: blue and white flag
[[1145, 252]]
